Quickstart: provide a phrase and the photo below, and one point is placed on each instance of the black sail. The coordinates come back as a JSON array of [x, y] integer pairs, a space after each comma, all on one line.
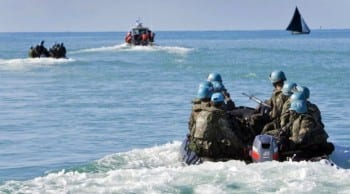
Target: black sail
[[297, 24]]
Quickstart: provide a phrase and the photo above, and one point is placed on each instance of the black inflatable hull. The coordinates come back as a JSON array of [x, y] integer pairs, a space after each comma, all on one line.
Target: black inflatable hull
[[189, 157]]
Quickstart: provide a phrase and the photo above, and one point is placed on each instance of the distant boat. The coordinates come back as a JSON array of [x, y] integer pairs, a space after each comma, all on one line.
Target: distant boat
[[140, 35], [298, 25]]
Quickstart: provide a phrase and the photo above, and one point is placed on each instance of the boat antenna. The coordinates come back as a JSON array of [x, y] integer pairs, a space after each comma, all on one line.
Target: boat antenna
[[138, 22]]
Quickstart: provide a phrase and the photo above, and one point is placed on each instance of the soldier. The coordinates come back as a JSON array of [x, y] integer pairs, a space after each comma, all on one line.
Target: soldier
[[302, 138], [202, 101], [32, 53], [311, 108], [213, 135], [276, 101], [62, 50], [286, 112], [287, 90], [285, 117], [216, 80]]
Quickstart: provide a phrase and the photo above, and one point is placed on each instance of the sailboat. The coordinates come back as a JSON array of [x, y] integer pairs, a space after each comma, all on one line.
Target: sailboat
[[298, 25]]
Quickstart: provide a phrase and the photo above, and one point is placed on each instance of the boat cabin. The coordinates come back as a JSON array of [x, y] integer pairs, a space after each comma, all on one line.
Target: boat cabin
[[140, 36]]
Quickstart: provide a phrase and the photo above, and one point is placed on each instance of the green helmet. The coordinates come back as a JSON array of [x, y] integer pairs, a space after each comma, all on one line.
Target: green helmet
[[298, 106], [288, 88], [297, 96], [217, 98], [214, 77], [204, 92], [304, 90], [277, 76]]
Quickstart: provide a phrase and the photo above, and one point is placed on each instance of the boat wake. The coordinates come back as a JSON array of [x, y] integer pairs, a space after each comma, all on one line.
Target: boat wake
[[159, 169], [126, 47], [30, 62]]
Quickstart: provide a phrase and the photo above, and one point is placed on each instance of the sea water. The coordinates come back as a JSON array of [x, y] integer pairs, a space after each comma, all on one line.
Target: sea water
[[111, 118]]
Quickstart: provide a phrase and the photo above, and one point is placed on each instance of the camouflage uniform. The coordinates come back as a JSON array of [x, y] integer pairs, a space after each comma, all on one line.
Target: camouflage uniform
[[276, 102], [305, 137], [285, 113], [315, 112], [312, 109], [197, 107], [212, 135]]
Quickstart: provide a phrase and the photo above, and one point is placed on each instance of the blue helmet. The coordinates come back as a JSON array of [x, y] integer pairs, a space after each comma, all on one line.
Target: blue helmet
[[288, 88], [204, 92], [207, 84], [214, 77], [277, 76], [218, 86], [304, 90], [217, 97], [297, 96], [298, 106]]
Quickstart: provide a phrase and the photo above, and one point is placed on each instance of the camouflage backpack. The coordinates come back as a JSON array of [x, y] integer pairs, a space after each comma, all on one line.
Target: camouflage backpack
[[206, 126]]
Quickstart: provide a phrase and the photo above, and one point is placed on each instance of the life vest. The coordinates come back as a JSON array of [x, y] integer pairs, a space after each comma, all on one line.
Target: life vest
[[144, 37], [128, 38]]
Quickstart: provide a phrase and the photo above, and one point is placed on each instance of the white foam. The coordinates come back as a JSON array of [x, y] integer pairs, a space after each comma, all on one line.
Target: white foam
[[102, 49], [159, 170], [21, 63], [126, 47]]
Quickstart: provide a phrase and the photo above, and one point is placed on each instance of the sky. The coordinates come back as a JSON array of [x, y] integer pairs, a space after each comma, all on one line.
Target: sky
[[172, 15]]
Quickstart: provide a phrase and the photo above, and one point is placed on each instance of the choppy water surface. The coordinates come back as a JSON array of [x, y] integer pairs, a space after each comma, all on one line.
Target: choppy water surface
[[110, 119]]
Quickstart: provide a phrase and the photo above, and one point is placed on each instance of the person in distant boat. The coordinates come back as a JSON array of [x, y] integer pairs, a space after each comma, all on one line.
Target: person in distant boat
[[62, 50], [58, 51], [32, 53], [38, 51], [144, 38], [41, 50], [151, 36], [213, 136], [216, 80], [128, 38], [41, 46], [302, 138]]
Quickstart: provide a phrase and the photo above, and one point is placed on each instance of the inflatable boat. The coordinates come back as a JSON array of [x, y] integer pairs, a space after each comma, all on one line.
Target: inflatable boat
[[264, 148]]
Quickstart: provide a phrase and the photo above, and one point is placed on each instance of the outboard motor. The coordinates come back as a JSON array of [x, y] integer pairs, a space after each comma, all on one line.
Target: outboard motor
[[264, 148]]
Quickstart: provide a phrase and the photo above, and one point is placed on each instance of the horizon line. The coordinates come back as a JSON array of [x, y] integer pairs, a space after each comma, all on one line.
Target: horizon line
[[238, 30]]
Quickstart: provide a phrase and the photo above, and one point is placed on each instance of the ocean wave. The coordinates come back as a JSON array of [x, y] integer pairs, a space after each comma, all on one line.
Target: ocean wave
[[102, 49], [158, 156], [126, 47], [28, 62], [159, 169]]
